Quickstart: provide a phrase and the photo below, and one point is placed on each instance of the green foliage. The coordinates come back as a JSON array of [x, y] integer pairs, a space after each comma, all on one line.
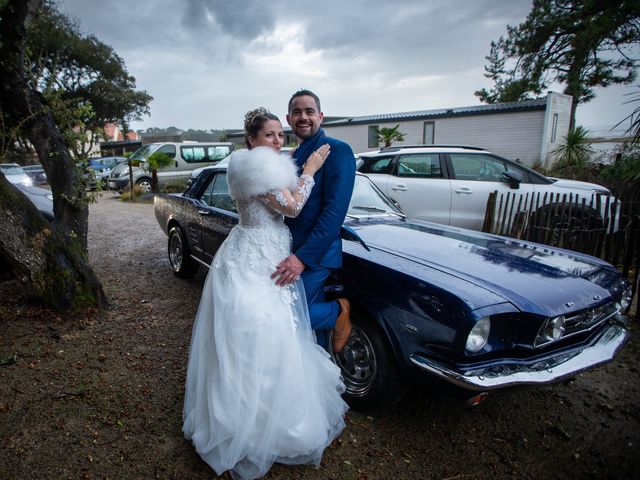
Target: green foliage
[[574, 153], [82, 80], [388, 135], [189, 135], [627, 165], [634, 119], [158, 160], [580, 43]]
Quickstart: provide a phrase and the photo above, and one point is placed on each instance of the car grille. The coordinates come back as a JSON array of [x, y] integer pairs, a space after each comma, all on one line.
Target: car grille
[[589, 319]]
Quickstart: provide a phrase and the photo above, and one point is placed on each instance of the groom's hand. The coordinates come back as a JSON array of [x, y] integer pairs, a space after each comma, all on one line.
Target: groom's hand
[[288, 270]]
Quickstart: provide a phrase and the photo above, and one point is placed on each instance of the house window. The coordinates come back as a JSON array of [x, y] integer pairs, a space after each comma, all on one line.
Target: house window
[[554, 127], [428, 133], [373, 136]]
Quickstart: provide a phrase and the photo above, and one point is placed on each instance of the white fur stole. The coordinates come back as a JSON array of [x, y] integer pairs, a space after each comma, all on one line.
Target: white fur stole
[[258, 171]]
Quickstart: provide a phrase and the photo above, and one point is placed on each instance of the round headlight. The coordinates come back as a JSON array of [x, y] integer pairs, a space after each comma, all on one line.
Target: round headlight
[[478, 335], [555, 328], [626, 299]]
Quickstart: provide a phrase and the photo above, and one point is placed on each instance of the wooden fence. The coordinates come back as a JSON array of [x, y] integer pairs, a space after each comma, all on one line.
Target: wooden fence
[[603, 226]]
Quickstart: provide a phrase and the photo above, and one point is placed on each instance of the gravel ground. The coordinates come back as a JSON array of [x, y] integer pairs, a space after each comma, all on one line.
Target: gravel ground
[[99, 395]]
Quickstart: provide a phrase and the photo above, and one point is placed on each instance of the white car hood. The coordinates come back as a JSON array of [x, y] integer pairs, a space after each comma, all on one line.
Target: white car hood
[[565, 183]]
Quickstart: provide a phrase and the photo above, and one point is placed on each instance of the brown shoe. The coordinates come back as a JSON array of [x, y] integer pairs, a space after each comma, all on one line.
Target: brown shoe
[[342, 330]]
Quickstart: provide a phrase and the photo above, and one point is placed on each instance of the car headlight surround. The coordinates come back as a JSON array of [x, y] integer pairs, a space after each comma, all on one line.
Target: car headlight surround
[[552, 329], [478, 336]]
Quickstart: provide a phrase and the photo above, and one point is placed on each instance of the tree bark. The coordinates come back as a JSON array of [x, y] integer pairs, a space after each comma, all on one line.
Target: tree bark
[[49, 259], [51, 268]]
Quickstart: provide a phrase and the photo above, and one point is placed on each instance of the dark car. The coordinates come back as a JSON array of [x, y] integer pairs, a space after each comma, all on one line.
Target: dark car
[[41, 198], [433, 302]]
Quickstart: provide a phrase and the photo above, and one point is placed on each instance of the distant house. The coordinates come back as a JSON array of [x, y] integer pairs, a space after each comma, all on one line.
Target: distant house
[[525, 131], [116, 143]]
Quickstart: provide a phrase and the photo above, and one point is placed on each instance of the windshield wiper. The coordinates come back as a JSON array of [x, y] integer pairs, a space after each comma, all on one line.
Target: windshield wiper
[[370, 209], [376, 209]]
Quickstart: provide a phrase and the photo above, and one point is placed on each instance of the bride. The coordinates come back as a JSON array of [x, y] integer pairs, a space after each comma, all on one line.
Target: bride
[[259, 389]]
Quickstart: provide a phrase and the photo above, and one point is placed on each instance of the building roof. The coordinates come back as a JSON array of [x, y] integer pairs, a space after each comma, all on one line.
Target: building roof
[[538, 104]]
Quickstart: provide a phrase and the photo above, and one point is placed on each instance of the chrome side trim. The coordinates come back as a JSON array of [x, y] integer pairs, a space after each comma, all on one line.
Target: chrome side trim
[[548, 370], [200, 261]]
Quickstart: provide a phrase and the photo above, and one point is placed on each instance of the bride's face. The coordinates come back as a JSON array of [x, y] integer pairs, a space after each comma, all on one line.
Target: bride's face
[[271, 135]]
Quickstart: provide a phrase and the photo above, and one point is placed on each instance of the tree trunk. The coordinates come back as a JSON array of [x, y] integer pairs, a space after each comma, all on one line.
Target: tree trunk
[[51, 267], [57, 252]]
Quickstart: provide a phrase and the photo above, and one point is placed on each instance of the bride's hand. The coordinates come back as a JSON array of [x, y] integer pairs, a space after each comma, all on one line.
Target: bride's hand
[[316, 160]]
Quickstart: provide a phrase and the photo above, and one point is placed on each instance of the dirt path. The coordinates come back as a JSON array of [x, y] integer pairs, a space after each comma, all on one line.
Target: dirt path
[[100, 396]]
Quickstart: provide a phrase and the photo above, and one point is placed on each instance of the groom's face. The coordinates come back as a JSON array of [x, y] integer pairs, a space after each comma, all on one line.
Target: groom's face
[[304, 117]]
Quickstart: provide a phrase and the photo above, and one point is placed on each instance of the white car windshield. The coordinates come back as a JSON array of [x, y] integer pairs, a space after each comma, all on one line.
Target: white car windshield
[[12, 170], [367, 200]]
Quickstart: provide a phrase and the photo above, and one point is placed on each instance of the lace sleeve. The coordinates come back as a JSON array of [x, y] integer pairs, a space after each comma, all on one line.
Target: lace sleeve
[[290, 202]]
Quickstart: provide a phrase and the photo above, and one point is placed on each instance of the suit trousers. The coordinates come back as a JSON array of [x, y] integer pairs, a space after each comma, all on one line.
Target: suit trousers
[[322, 314]]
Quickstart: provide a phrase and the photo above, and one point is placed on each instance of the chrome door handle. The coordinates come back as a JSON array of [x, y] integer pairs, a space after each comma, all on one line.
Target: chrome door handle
[[400, 188], [464, 190], [204, 212]]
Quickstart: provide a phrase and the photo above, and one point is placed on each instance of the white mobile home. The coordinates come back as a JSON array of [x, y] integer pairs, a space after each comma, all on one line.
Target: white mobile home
[[525, 131]]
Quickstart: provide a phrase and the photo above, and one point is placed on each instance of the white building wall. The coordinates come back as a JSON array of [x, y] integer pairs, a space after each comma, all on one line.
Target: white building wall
[[555, 129], [512, 135]]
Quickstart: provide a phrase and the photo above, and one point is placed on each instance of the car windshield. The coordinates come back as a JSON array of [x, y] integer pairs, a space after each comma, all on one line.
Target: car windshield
[[144, 152], [368, 200], [11, 169]]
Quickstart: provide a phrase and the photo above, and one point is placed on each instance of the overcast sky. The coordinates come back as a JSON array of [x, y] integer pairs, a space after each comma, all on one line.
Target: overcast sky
[[207, 62]]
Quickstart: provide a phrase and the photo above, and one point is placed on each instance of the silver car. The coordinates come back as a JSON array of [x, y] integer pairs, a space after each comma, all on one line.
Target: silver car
[[451, 184]]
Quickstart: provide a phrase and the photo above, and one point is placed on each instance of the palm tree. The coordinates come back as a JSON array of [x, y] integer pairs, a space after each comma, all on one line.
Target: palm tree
[[575, 150], [156, 161], [388, 135]]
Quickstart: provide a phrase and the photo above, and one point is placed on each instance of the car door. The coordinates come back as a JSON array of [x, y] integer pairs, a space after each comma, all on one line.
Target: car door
[[473, 177], [217, 214]]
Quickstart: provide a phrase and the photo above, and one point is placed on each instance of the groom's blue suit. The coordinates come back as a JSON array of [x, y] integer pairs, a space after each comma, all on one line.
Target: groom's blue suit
[[316, 230]]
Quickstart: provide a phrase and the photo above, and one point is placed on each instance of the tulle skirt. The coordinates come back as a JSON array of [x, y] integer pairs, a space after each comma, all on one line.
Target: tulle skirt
[[259, 389]]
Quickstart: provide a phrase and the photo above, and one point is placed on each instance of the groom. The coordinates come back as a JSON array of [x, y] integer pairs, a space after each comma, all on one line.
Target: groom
[[317, 247]]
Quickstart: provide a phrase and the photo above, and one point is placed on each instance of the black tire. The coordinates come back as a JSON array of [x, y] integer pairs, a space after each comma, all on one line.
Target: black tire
[[368, 368], [182, 264], [144, 184]]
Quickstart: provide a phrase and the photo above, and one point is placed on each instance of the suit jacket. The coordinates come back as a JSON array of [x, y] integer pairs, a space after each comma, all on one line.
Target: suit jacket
[[316, 230]]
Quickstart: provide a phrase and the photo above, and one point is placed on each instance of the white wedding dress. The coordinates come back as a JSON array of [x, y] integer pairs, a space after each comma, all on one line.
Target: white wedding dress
[[259, 389]]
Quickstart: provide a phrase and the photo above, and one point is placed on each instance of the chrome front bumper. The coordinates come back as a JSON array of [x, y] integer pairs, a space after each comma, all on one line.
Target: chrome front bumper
[[551, 369]]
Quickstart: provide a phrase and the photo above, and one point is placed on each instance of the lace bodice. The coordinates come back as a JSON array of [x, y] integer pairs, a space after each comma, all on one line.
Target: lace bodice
[[254, 213], [267, 210]]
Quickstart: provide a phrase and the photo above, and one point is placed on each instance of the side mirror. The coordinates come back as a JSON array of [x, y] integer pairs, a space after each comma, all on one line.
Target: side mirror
[[514, 179]]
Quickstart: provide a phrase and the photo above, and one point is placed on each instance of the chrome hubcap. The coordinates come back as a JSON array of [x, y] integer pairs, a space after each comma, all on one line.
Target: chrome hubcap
[[175, 252], [357, 363]]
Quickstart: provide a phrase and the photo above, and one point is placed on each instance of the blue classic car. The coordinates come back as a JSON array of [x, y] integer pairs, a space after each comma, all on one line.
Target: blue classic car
[[432, 302]]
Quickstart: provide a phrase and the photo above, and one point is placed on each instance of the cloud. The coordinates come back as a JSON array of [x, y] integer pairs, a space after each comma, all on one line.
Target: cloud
[[207, 62]]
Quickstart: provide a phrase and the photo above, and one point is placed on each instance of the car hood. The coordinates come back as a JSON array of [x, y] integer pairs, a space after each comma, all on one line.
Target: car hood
[[535, 278], [40, 197], [577, 184]]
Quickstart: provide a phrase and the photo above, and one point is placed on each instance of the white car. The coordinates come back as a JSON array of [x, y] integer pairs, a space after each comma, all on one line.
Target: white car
[[451, 184], [15, 174]]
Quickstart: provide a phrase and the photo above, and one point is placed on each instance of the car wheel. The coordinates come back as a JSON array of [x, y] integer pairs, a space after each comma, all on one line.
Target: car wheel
[[182, 264], [368, 368], [144, 184]]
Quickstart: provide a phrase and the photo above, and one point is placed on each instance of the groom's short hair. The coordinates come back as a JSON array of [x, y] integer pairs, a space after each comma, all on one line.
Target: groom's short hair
[[304, 93]]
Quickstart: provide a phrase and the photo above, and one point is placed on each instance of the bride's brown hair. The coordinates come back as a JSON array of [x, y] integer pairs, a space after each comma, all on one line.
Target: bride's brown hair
[[253, 122]]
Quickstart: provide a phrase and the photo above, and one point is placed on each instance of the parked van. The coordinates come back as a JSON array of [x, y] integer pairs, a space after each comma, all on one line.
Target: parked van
[[187, 157]]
